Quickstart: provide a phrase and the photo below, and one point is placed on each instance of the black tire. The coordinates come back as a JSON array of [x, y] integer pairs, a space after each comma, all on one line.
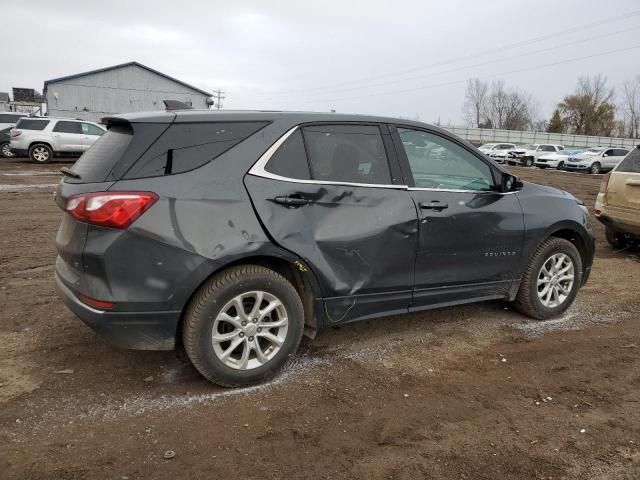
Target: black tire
[[561, 166], [528, 162], [40, 153], [542, 167], [205, 307], [527, 300], [616, 239], [595, 168], [5, 152]]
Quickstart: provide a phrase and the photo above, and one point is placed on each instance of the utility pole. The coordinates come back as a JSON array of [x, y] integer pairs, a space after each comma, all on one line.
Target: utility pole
[[218, 96]]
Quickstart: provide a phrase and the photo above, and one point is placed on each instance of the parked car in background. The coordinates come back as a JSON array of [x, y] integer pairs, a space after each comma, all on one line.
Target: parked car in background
[[9, 119], [238, 232], [596, 160], [5, 150], [492, 148], [618, 203], [556, 159], [501, 153], [528, 154], [44, 138]]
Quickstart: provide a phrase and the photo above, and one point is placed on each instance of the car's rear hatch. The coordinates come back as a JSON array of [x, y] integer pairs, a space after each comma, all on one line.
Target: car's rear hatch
[[96, 171]]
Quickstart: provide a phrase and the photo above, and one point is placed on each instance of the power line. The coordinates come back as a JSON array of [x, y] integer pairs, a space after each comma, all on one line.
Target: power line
[[424, 87], [218, 96], [464, 57], [502, 59]]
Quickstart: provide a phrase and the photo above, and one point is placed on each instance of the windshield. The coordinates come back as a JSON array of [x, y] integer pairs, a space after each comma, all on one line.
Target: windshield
[[488, 146], [593, 150], [529, 146], [564, 153]]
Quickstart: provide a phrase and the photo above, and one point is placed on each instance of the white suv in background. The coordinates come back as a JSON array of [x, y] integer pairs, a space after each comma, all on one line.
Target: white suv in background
[[43, 138], [596, 160], [528, 154]]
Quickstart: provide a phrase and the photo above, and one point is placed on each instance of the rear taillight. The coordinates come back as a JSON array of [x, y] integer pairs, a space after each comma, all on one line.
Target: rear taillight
[[605, 183], [110, 209], [15, 133]]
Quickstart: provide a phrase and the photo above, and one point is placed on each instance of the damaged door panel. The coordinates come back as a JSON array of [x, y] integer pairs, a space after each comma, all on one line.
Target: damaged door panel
[[360, 241]]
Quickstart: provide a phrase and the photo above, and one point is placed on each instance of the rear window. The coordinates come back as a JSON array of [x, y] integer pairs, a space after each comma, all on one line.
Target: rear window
[[31, 124], [631, 163], [95, 164]]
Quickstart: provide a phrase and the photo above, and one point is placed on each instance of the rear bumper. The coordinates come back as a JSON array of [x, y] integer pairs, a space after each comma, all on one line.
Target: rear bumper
[[619, 225], [132, 330]]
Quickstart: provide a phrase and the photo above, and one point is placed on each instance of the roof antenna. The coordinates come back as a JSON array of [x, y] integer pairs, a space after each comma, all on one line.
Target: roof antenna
[[176, 105]]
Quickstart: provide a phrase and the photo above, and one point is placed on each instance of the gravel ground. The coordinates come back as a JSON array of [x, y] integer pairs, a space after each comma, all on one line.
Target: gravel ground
[[476, 391]]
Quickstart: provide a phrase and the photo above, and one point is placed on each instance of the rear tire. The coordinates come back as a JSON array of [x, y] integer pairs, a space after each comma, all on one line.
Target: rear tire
[[40, 153], [616, 239], [551, 280], [225, 312], [595, 168], [5, 150], [528, 162]]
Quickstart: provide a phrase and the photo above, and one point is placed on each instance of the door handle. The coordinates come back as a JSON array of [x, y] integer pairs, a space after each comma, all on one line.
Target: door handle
[[433, 205], [634, 183], [291, 201]]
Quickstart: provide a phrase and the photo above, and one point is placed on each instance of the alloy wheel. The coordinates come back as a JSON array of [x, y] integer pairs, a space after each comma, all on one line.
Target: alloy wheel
[[249, 330], [6, 151], [555, 280], [40, 154]]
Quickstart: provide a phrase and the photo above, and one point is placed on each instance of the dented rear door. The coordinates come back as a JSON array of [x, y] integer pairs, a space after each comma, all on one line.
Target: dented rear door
[[359, 239]]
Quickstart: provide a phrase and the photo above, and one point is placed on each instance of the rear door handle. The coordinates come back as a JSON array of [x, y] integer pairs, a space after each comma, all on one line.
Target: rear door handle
[[635, 183], [433, 205], [291, 201]]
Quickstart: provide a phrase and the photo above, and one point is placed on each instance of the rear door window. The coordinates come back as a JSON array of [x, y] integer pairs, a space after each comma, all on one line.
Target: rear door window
[[631, 164], [68, 127], [290, 160], [347, 153], [31, 124]]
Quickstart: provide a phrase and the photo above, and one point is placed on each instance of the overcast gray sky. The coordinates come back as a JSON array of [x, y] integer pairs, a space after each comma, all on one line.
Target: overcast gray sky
[[402, 58]]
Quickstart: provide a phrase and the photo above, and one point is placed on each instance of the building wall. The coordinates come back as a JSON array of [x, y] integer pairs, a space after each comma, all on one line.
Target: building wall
[[122, 90], [490, 135]]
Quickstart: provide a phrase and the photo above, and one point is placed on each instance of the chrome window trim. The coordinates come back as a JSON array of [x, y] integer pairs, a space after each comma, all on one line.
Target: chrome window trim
[[258, 170]]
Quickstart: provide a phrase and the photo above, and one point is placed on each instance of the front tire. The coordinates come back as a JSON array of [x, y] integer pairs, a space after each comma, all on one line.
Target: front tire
[[595, 168], [528, 162], [551, 281], [5, 150], [560, 166], [40, 153], [243, 325]]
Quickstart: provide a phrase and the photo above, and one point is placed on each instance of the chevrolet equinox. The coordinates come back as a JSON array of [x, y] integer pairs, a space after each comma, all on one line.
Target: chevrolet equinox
[[236, 233]]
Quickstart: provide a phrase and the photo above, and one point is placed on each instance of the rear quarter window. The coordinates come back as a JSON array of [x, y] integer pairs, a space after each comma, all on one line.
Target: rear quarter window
[[631, 163], [31, 124], [186, 146]]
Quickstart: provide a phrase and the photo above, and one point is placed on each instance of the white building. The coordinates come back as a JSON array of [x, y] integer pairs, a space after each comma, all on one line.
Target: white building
[[129, 87]]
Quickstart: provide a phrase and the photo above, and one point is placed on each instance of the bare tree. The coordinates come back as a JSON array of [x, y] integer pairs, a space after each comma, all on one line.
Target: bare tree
[[509, 109], [631, 107], [475, 101], [590, 110]]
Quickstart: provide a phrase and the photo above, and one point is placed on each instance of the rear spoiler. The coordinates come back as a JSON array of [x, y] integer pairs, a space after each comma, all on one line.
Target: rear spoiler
[[176, 105]]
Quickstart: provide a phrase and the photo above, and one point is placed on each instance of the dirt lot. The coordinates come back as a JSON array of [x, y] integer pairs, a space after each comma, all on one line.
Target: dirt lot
[[469, 392]]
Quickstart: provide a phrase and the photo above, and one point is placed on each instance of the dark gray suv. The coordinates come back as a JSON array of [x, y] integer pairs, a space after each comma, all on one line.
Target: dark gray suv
[[236, 233]]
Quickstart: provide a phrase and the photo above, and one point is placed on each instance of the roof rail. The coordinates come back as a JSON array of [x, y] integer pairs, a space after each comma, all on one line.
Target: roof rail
[[176, 105]]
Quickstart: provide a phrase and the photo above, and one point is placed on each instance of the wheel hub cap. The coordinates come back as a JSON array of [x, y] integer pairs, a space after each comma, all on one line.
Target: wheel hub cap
[[555, 280], [249, 330]]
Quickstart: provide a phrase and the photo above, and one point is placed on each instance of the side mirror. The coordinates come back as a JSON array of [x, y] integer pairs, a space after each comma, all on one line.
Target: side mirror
[[510, 183]]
